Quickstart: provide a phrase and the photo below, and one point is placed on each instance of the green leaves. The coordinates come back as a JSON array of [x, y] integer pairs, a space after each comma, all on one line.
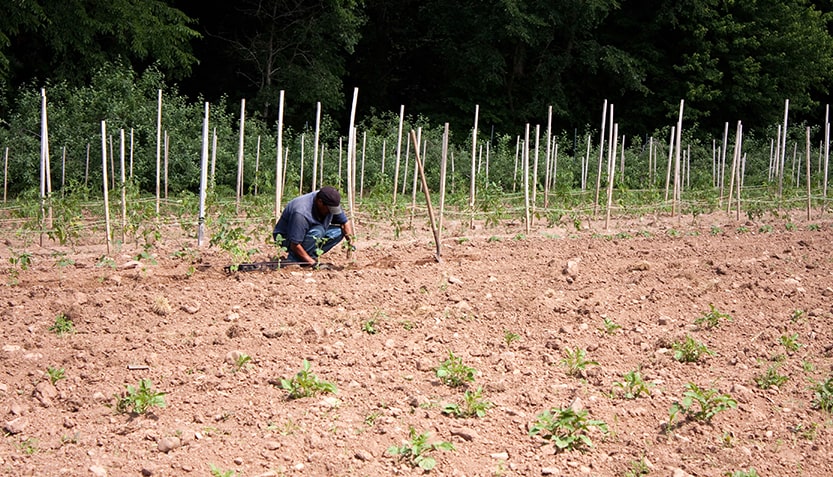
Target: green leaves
[[139, 399], [306, 384], [452, 372], [415, 451], [709, 402], [566, 428]]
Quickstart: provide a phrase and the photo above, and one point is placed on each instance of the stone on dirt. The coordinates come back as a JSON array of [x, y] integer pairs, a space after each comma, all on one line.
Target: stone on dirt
[[363, 455], [15, 426], [466, 433], [167, 444], [98, 471]]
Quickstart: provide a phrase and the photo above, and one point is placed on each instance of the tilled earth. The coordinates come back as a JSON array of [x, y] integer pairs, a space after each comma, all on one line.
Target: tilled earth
[[377, 326]]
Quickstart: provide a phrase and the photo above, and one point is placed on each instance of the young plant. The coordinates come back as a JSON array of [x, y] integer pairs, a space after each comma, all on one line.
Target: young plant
[[55, 374], [219, 472], [610, 326], [575, 362], [712, 318], [369, 327], [633, 385], [770, 378], [566, 428], [139, 400], [242, 362], [306, 384], [510, 337], [710, 403], [415, 450], [62, 326], [638, 468], [790, 342], [823, 395], [452, 372], [744, 473], [689, 350], [473, 405]]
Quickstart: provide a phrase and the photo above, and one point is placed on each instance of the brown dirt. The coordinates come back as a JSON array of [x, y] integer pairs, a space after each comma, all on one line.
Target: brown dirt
[[653, 287]]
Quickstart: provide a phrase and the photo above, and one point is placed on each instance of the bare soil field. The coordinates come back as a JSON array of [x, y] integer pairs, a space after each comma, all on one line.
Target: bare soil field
[[512, 309]]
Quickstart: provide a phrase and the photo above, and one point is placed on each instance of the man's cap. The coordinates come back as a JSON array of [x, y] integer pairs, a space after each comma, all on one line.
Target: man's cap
[[331, 198]]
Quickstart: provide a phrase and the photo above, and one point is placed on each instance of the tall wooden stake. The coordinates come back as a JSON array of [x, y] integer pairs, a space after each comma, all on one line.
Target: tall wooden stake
[[279, 173], [427, 195], [240, 154], [158, 150], [398, 154], [203, 179], [601, 156], [105, 184], [473, 159]]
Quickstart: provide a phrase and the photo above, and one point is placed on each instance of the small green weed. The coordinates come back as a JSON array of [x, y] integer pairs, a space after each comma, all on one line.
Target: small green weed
[[712, 318], [566, 428], [673, 233], [765, 229], [710, 403], [21, 260], [808, 432], [28, 446], [770, 378], [62, 326], [633, 385], [797, 316], [105, 262], [790, 226], [510, 337], [689, 350], [790, 342], [519, 237], [242, 362], [452, 372], [219, 472], [609, 326], [473, 405], [814, 227], [139, 400], [306, 384], [575, 361], [415, 450], [751, 472], [807, 366], [55, 374], [638, 468], [369, 327], [493, 238], [742, 229], [715, 230], [823, 395]]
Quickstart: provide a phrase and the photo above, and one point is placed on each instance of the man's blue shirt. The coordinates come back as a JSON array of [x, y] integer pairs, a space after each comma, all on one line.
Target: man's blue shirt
[[299, 216]]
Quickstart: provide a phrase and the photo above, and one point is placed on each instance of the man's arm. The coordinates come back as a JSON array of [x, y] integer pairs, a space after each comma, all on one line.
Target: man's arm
[[298, 250], [347, 229]]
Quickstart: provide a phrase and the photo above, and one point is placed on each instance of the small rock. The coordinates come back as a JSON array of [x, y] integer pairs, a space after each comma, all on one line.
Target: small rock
[[131, 264], [268, 473], [232, 317], [45, 392], [577, 404], [550, 471], [167, 444], [273, 445], [98, 471], [363, 455], [454, 280], [465, 433], [571, 268], [15, 426], [663, 320], [148, 470], [500, 455], [677, 472], [233, 357], [115, 279], [238, 461], [17, 409], [191, 309], [99, 396], [827, 292]]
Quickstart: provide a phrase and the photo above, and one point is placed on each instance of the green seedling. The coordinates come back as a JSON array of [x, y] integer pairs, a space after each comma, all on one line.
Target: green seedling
[[791, 226], [689, 350], [790, 342], [765, 229], [566, 428], [610, 326], [28, 446], [306, 384], [139, 400], [638, 468], [712, 318], [510, 337], [751, 472], [807, 366], [105, 262], [21, 260], [673, 233], [770, 378], [519, 237], [633, 385], [742, 229], [415, 450], [369, 327], [710, 403], [242, 362], [493, 238], [808, 432], [715, 230], [574, 361], [823, 395], [473, 405], [452, 372], [814, 227], [218, 472], [55, 374], [62, 326]]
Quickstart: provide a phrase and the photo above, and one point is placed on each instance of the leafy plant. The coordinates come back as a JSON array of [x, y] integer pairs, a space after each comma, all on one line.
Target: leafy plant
[[566, 428], [218, 472], [415, 450], [715, 230], [765, 229], [633, 385], [306, 384], [63, 325], [790, 342], [28, 446], [709, 401], [689, 350], [473, 405], [823, 395], [744, 473], [369, 327], [638, 468], [139, 400], [232, 239], [510, 337], [242, 362], [742, 229], [712, 318], [575, 362], [452, 372], [105, 261], [673, 233], [22, 260], [55, 374], [610, 326], [770, 378], [790, 226]]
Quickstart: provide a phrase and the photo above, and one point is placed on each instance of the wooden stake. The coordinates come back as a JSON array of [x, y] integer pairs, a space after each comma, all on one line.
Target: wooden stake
[[213, 155], [105, 184], [535, 168], [515, 173], [257, 164], [131, 154], [809, 198], [166, 149], [240, 154], [301, 174], [315, 147], [611, 173], [548, 158], [158, 150], [123, 184], [364, 149], [6, 175], [678, 148], [473, 172], [87, 168], [427, 195], [526, 181], [398, 154], [63, 169], [203, 179], [279, 173], [601, 156], [443, 164], [783, 156]]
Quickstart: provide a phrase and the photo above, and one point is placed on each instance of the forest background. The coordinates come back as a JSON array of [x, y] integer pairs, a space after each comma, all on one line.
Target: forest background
[[105, 60]]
